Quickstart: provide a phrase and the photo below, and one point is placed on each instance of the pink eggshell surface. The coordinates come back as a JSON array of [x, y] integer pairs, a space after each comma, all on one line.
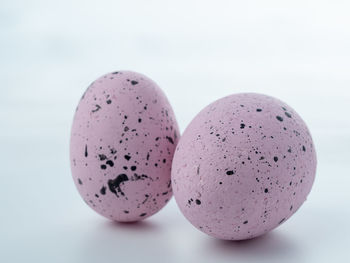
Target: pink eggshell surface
[[243, 166], [123, 138]]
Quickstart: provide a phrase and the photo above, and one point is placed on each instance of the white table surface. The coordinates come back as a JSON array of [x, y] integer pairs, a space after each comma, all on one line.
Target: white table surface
[[197, 51]]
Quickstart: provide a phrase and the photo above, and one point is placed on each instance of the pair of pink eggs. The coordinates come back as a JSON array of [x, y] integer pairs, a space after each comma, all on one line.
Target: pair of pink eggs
[[242, 167]]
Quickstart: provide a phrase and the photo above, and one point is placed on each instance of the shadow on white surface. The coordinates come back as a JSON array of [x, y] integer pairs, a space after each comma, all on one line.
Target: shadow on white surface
[[153, 241], [137, 226], [273, 246], [137, 241]]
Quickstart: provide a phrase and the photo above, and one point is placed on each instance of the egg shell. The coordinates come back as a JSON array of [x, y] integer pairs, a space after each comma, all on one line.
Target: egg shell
[[243, 166], [123, 139]]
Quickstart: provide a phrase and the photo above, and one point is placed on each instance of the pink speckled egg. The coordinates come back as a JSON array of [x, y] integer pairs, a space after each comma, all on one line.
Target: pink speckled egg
[[243, 166], [123, 139]]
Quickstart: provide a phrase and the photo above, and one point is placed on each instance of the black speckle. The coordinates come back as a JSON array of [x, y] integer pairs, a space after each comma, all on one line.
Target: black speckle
[[133, 168], [266, 190], [198, 202], [79, 181], [102, 157], [258, 110], [126, 211], [86, 151], [290, 150], [110, 163], [147, 157], [164, 160], [103, 167], [134, 82], [242, 125], [109, 101], [304, 149], [98, 107], [170, 139], [245, 222], [275, 158], [115, 72], [231, 172], [114, 185], [282, 220], [291, 208], [103, 190], [143, 214], [127, 157], [137, 177], [139, 120], [279, 118], [288, 114]]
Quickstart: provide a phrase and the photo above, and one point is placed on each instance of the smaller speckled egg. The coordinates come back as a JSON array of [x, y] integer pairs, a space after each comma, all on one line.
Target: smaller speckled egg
[[122, 143], [243, 166]]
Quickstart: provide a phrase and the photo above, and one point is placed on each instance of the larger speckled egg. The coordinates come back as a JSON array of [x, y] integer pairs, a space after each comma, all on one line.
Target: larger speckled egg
[[122, 143], [243, 166]]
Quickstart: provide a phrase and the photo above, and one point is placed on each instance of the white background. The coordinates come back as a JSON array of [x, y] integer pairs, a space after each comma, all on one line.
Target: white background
[[197, 51]]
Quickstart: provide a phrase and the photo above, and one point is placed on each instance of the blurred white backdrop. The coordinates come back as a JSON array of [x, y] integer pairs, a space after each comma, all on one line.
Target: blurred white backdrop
[[197, 51]]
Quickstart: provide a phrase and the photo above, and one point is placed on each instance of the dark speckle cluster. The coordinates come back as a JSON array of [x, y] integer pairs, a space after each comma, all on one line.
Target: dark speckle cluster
[[114, 185]]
